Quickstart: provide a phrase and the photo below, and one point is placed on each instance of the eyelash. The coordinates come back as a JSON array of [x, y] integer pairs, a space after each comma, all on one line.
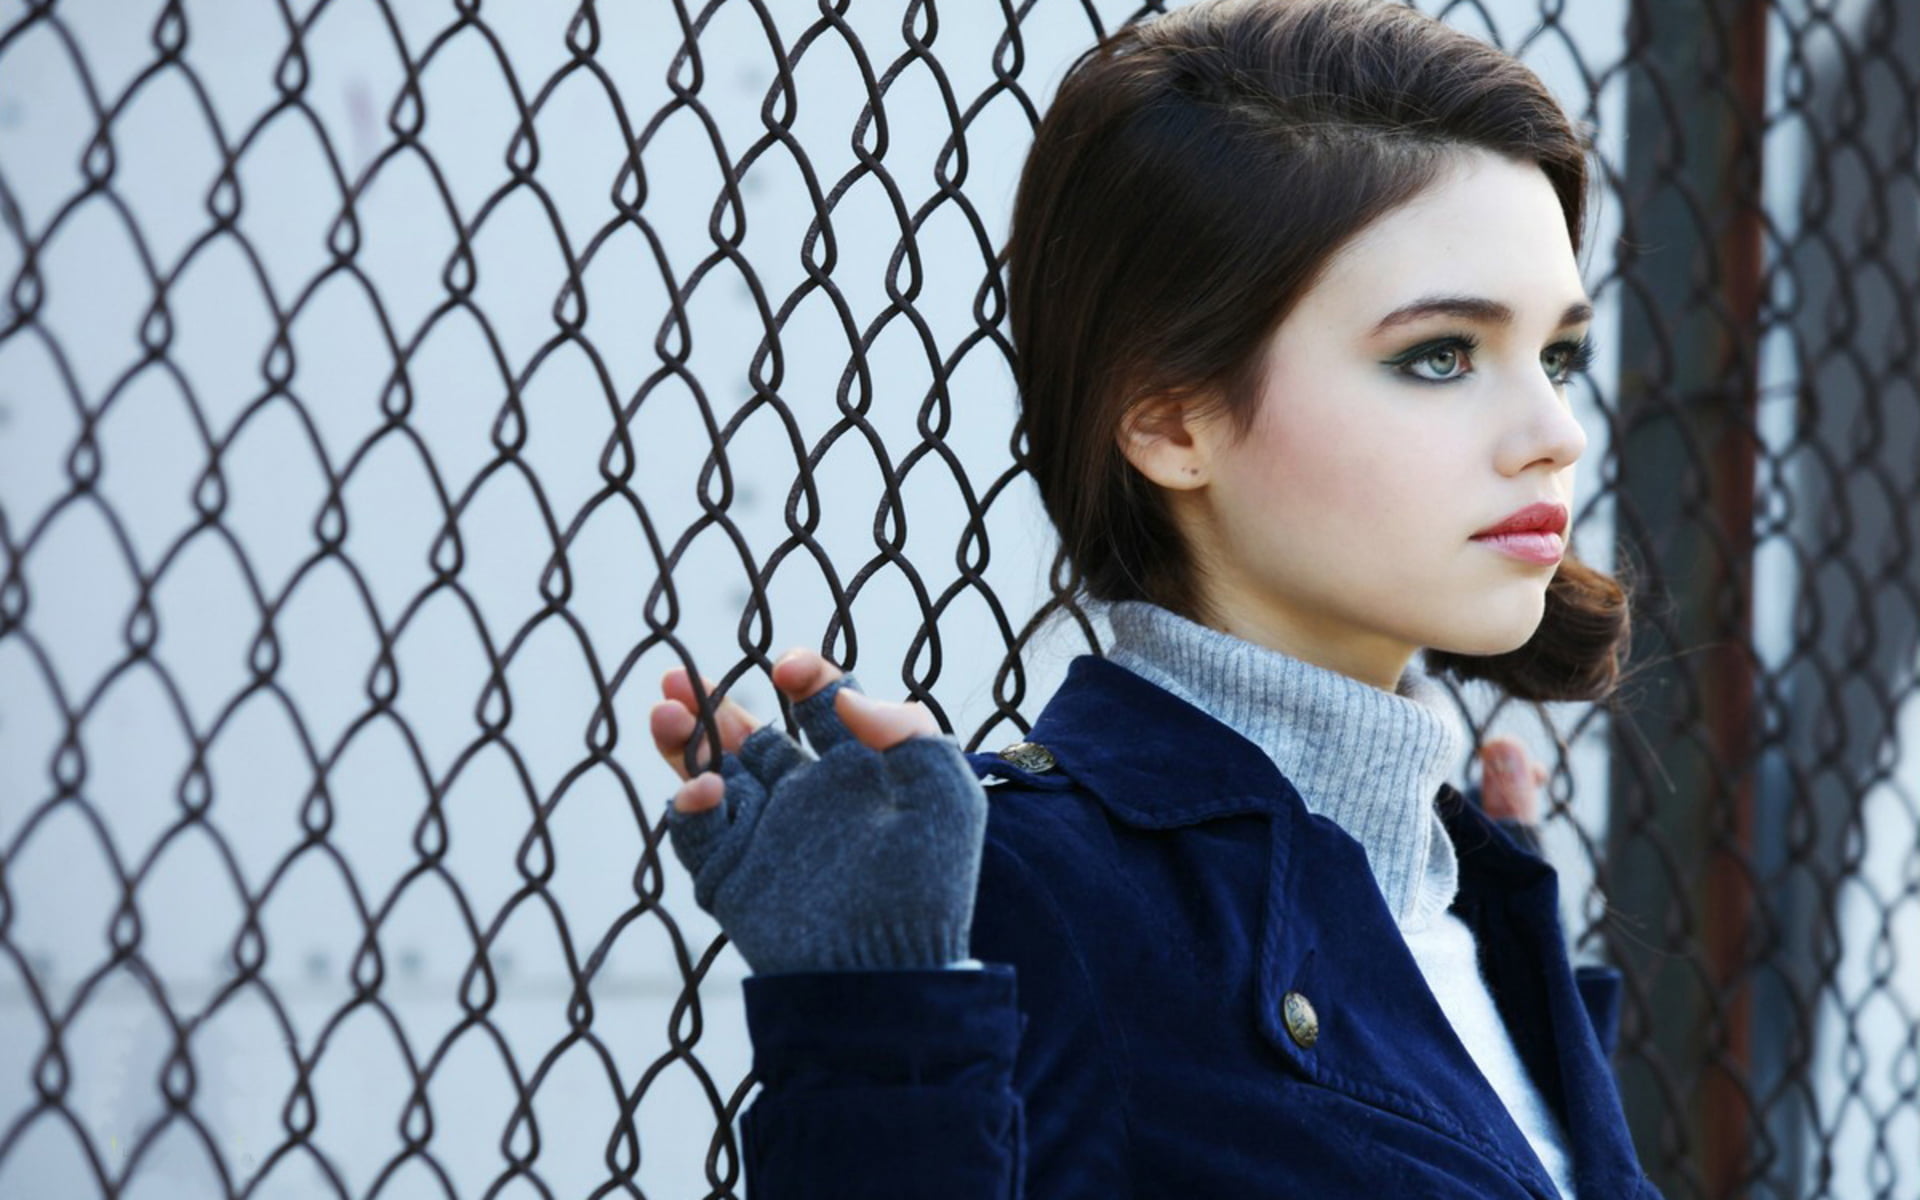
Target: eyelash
[[1579, 357]]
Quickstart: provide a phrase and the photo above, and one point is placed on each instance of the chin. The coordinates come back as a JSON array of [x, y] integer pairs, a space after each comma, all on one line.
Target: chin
[[1478, 649], [1489, 641]]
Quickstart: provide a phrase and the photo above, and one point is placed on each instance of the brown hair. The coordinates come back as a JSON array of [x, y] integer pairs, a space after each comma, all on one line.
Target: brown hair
[[1190, 182]]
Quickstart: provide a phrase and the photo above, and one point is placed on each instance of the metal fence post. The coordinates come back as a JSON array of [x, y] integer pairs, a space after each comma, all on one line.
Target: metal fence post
[[1691, 271]]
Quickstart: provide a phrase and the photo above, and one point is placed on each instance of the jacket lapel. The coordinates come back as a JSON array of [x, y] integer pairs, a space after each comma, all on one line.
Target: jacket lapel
[[1156, 762], [1512, 900]]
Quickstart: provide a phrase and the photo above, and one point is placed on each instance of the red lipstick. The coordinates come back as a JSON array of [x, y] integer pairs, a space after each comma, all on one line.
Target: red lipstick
[[1536, 534], [1543, 517]]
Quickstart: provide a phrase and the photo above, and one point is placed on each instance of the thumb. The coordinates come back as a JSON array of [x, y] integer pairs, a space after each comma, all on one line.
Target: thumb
[[1510, 783], [881, 726]]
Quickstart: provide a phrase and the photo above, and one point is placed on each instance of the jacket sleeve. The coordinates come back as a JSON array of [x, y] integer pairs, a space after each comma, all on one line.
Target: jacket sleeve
[[884, 1083], [935, 1083]]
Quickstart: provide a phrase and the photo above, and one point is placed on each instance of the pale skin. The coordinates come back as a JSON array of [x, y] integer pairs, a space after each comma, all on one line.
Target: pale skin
[[1414, 396]]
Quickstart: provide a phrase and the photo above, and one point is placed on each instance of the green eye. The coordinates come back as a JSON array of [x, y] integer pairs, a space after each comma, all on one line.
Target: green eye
[[1564, 360], [1444, 363], [1440, 361]]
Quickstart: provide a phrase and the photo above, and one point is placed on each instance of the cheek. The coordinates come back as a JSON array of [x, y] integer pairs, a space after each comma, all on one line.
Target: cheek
[[1335, 470], [1346, 494]]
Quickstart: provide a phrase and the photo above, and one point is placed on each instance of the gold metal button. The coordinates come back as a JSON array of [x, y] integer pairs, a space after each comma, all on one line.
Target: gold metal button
[[1029, 756], [1303, 1024]]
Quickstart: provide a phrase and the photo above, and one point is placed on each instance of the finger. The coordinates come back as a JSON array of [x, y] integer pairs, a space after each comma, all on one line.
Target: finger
[[698, 827], [819, 715], [768, 754], [801, 672], [713, 841], [672, 725], [733, 722], [879, 725], [817, 686], [702, 793], [1510, 782]]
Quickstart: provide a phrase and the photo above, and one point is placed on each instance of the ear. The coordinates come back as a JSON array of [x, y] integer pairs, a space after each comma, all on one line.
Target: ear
[[1170, 439]]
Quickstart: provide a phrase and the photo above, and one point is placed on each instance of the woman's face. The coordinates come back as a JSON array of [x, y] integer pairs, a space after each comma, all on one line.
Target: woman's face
[[1414, 397]]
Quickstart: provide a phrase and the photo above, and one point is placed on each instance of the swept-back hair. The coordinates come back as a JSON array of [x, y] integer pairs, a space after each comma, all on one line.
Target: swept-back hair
[[1190, 182]]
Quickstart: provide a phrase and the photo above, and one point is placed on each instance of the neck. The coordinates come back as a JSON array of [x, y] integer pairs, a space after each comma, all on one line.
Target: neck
[[1235, 604], [1370, 661]]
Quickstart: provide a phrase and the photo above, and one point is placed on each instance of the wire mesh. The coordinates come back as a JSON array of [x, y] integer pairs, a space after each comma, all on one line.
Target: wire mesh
[[389, 392]]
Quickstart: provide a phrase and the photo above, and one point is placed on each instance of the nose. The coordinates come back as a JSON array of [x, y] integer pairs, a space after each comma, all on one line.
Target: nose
[[1543, 431]]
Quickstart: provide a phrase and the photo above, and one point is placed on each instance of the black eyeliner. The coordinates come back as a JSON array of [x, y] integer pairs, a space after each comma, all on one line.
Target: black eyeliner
[[1452, 341], [1579, 358]]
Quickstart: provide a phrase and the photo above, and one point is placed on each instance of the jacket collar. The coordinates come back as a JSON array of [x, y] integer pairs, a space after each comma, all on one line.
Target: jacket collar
[[1153, 759], [1158, 762]]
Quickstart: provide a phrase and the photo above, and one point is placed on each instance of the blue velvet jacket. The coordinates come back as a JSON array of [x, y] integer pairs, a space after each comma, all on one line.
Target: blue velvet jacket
[[1146, 904]]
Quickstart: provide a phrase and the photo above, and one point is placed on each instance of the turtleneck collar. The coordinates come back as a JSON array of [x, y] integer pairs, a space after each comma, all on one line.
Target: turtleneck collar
[[1369, 760]]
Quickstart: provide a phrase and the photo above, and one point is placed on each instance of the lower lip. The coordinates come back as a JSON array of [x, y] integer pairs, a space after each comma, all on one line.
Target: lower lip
[[1543, 548]]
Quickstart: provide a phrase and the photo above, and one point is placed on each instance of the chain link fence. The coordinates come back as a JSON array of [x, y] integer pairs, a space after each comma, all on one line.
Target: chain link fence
[[390, 391]]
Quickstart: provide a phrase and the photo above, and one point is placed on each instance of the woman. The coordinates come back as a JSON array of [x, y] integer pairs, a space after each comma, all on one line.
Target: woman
[[1295, 302]]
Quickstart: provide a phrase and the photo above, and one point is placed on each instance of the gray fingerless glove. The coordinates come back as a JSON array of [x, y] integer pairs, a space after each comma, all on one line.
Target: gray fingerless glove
[[856, 860]]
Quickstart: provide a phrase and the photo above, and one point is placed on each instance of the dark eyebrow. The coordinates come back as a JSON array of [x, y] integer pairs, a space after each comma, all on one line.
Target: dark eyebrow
[[1472, 308], [1578, 313]]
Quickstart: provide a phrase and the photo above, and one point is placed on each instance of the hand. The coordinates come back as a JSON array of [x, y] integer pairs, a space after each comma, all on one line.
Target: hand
[[1510, 782], [800, 674], [865, 857]]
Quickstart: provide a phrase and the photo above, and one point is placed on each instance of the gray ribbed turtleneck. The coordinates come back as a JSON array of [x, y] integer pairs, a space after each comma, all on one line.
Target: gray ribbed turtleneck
[[1371, 761]]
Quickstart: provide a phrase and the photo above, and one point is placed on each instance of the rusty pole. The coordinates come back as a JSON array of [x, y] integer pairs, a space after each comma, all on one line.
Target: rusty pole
[[1683, 781]]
